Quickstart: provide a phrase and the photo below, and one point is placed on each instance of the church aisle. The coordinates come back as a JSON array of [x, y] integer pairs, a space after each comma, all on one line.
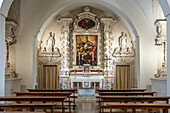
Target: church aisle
[[86, 107], [86, 104]]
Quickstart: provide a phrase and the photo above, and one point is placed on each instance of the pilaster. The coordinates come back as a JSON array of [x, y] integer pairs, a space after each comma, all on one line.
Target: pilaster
[[65, 22], [168, 55], [107, 28], [2, 55]]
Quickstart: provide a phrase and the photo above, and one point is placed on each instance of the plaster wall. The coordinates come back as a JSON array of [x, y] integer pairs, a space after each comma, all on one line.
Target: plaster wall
[[2, 52], [43, 10]]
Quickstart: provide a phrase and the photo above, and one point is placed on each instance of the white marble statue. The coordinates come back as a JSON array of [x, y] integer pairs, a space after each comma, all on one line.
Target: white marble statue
[[50, 43], [123, 41]]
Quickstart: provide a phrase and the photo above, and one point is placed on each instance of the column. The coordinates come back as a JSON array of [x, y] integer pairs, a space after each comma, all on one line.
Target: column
[[65, 63], [65, 25], [168, 54], [107, 23], [2, 55], [138, 60]]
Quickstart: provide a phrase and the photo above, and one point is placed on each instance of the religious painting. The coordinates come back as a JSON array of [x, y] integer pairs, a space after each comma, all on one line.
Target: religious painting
[[86, 23], [86, 48], [86, 69]]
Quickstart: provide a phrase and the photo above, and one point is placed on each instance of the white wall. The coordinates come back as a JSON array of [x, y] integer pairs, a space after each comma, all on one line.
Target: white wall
[[44, 10], [2, 53]]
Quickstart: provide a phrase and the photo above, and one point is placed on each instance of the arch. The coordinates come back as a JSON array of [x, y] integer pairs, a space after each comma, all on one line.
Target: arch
[[34, 24], [57, 11], [4, 6], [65, 5], [165, 7]]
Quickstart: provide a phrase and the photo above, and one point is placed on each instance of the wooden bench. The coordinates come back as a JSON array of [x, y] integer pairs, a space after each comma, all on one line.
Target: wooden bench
[[127, 93], [21, 112], [28, 106], [52, 90], [33, 99], [121, 90], [125, 99], [58, 90], [47, 94], [135, 106]]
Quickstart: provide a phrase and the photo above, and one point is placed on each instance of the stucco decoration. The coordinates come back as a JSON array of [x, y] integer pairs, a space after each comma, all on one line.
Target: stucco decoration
[[65, 24], [49, 49], [88, 21], [107, 24], [10, 32], [161, 41], [14, 12], [10, 39], [48, 53], [125, 52]]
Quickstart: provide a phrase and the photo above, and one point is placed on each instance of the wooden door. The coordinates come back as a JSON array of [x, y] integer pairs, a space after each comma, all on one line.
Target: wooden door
[[50, 76], [123, 77]]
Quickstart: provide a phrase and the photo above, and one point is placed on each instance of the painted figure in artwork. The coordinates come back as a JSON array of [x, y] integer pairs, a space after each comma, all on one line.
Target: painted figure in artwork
[[93, 54], [87, 57], [86, 50], [50, 43], [123, 41]]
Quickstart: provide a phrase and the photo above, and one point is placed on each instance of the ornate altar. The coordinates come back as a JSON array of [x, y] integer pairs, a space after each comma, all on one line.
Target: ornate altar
[[86, 79]]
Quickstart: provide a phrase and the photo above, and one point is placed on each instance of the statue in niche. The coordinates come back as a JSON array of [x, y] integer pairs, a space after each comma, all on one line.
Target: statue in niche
[[123, 42], [50, 43], [123, 49]]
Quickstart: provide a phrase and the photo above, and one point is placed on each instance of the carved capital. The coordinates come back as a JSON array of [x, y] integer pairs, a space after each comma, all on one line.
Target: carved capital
[[65, 24], [10, 32], [108, 22]]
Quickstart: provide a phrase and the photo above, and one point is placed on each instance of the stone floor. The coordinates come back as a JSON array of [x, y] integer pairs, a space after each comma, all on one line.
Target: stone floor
[[86, 107], [86, 104]]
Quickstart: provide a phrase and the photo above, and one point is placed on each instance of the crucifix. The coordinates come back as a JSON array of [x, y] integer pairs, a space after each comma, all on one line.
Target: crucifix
[[107, 79]]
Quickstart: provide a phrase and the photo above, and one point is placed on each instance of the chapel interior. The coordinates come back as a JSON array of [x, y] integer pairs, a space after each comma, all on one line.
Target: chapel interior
[[85, 45]]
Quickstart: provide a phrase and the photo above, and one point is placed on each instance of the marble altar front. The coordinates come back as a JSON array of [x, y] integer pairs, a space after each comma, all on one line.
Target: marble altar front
[[86, 82]]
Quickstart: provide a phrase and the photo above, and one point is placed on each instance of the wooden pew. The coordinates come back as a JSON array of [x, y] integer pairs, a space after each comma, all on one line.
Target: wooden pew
[[127, 93], [43, 93], [133, 98], [121, 90], [126, 99], [135, 106], [32, 99], [52, 90], [28, 106], [58, 90], [21, 112], [46, 94]]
